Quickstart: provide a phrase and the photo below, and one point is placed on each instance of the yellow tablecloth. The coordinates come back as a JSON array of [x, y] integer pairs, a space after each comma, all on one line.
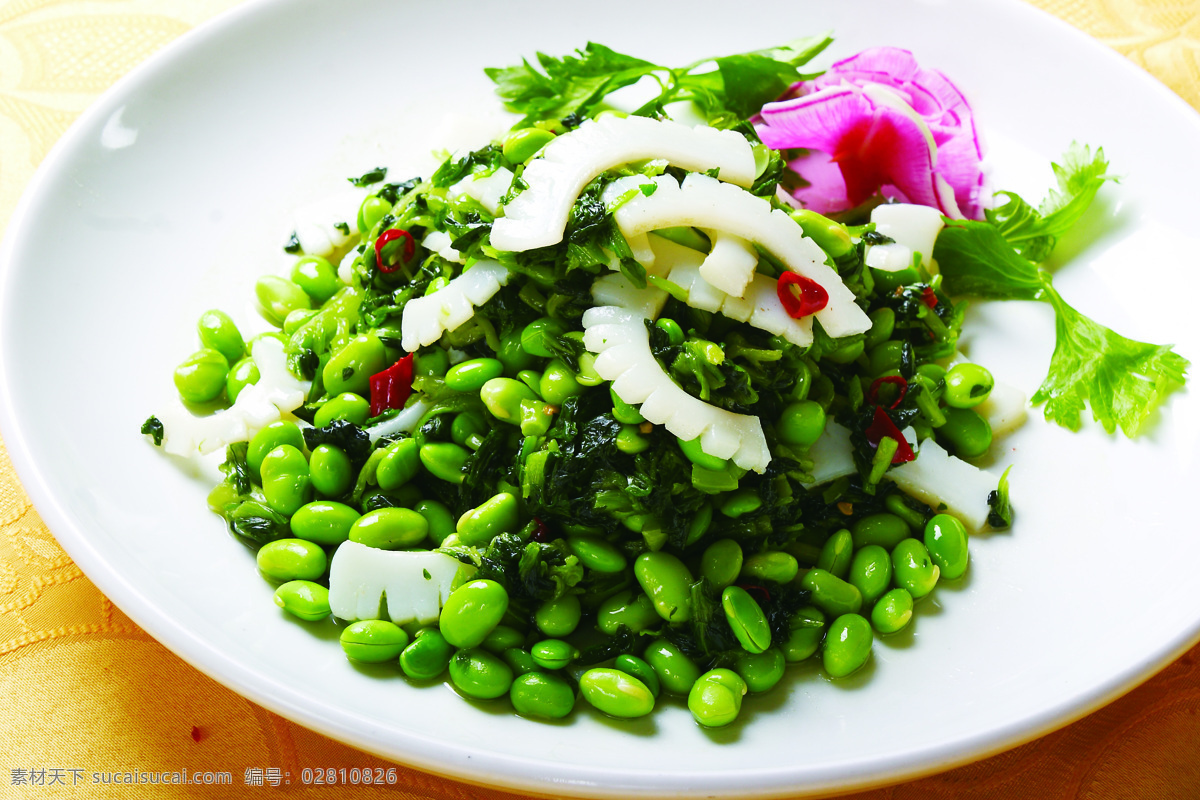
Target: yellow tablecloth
[[76, 675]]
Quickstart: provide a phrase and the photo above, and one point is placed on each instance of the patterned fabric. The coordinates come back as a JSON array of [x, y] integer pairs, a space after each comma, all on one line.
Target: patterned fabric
[[76, 673]]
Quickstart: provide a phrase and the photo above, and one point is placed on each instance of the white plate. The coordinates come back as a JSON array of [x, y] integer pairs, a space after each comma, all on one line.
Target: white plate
[[141, 216]]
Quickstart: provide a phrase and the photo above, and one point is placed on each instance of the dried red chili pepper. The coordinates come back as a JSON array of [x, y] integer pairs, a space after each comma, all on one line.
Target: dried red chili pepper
[[882, 427], [386, 238], [928, 297], [392, 387], [895, 380], [807, 296]]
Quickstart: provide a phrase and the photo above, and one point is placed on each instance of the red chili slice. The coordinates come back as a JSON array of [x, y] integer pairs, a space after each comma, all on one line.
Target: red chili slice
[[882, 427], [928, 297], [392, 387], [386, 238], [541, 533], [808, 296], [895, 380]]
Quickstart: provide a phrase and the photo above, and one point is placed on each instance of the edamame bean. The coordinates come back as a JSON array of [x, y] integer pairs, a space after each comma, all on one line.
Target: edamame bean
[[427, 656], [468, 429], [317, 277], [597, 554], [444, 460], [885, 530], [913, 569], [771, 565], [330, 469], [946, 541], [893, 611], [503, 396], [431, 362], [295, 320], [883, 322], [624, 609], [740, 502], [519, 660], [521, 145], [242, 374], [967, 385], [886, 357], [558, 383], [968, 433], [390, 529], [399, 464], [675, 335], [801, 423], [351, 368], [471, 375], [278, 297], [553, 653], [323, 522], [836, 554], [715, 699], [871, 573], [286, 482], [542, 695], [761, 671], [472, 611], [616, 693], [830, 236], [480, 674], [668, 584], [558, 618], [625, 413], [303, 599], [539, 336], [700, 523], [218, 332], [848, 350], [267, 439], [721, 563], [513, 356], [746, 618], [503, 637], [639, 669], [372, 209], [847, 645], [373, 641], [347, 405], [438, 517], [806, 630], [291, 560], [830, 593], [691, 448], [201, 376], [676, 672], [496, 515]]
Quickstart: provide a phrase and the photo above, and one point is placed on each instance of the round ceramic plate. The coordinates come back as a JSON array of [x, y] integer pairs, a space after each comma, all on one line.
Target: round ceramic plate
[[170, 195]]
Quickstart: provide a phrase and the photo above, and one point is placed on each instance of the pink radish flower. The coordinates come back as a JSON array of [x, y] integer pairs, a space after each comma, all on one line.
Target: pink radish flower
[[880, 123]]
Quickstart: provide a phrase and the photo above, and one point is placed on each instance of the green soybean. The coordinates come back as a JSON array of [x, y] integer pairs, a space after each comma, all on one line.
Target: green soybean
[[427, 656], [496, 515], [370, 211], [676, 672], [771, 565], [967, 385], [806, 630], [801, 423], [267, 439], [437, 517], [324, 522], [847, 645], [553, 653], [639, 669], [558, 617], [667, 582], [946, 541], [715, 699], [631, 441], [513, 356], [597, 554], [431, 362], [542, 695], [836, 554], [539, 337], [521, 145], [286, 482], [399, 464], [675, 335], [278, 297], [330, 469], [351, 368], [616, 693], [740, 502], [885, 530], [472, 611], [691, 448], [444, 460], [623, 412], [913, 569], [886, 357], [347, 405], [761, 671], [721, 563], [519, 660], [893, 611], [830, 593], [242, 374], [291, 559], [503, 396], [201, 376], [558, 383], [480, 674], [218, 332], [373, 641], [636, 613], [871, 573], [303, 599], [317, 277], [746, 618], [969, 433], [883, 322], [830, 236], [471, 375], [390, 529], [295, 320], [468, 429]]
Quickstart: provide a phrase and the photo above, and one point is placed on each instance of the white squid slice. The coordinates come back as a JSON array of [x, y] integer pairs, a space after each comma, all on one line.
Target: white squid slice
[[914, 229], [427, 318], [416, 583], [627, 361], [484, 189], [938, 478], [316, 224], [703, 202], [730, 264], [538, 216], [440, 242], [616, 290]]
